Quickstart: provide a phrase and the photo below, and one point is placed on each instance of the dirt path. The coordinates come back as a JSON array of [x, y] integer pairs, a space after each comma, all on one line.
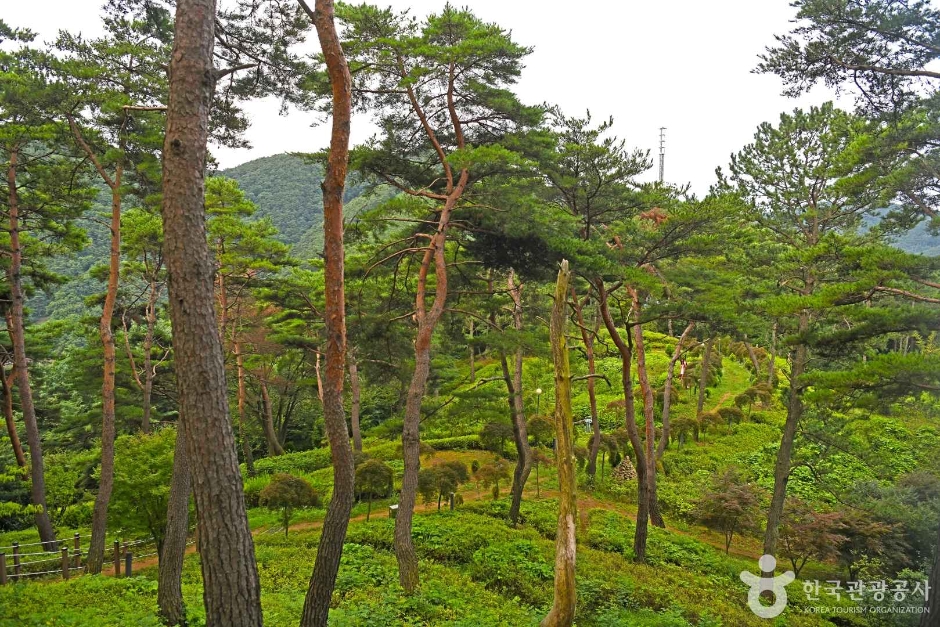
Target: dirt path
[[722, 400], [586, 502]]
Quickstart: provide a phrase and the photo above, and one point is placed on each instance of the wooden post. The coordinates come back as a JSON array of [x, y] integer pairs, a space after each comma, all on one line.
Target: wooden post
[[128, 560], [65, 562], [3, 569], [117, 558], [78, 541], [16, 560], [392, 511], [78, 558]]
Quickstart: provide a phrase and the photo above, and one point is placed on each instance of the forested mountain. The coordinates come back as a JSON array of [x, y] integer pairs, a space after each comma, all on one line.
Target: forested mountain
[[920, 241], [286, 190]]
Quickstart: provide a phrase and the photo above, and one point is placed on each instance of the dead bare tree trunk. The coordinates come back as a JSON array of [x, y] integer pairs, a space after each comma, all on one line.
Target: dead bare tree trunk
[[330, 548], [563, 604], [20, 364], [230, 575], [169, 589], [626, 359]]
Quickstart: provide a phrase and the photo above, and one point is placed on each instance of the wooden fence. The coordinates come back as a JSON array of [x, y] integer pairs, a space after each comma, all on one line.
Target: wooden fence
[[30, 561]]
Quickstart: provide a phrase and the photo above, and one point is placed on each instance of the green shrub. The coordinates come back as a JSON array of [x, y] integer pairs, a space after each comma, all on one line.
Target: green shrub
[[541, 516], [457, 443], [253, 487], [287, 493], [293, 463], [78, 515], [143, 468], [517, 568]]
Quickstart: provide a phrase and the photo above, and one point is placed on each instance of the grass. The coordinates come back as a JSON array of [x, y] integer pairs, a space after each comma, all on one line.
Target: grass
[[475, 568]]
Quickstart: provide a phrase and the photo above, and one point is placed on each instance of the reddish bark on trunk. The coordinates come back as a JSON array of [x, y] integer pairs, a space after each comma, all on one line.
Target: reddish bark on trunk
[[330, 548]]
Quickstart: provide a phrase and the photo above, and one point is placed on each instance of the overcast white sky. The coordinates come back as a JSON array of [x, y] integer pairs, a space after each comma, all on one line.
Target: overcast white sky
[[682, 64]]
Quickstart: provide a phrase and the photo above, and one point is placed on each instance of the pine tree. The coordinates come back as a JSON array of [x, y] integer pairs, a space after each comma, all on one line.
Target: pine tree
[[808, 192], [44, 191], [232, 591], [112, 82], [434, 153]]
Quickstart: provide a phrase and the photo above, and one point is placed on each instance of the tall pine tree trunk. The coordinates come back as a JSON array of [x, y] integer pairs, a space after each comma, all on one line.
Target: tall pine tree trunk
[[427, 319], [330, 548], [773, 356], [169, 588], [404, 547], [270, 435], [519, 431], [230, 575], [667, 391], [99, 519], [931, 617], [9, 416], [626, 360], [241, 400], [149, 373], [782, 467], [563, 604], [753, 357], [649, 408], [703, 377], [473, 365], [587, 338], [20, 365]]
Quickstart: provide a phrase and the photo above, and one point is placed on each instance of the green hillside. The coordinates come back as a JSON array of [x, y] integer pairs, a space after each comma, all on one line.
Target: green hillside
[[286, 189], [480, 571]]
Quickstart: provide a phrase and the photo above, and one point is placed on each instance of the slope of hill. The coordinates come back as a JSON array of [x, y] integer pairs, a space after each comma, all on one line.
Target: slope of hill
[[919, 240], [286, 190]]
